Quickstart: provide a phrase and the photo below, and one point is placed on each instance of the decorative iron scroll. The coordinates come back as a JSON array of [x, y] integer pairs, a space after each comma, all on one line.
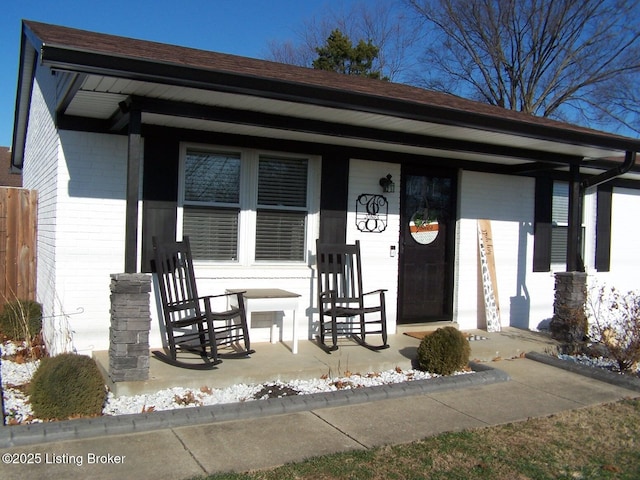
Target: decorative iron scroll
[[371, 213]]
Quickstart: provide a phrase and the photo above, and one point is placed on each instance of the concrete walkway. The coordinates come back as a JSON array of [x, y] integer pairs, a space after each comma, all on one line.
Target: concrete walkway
[[272, 432]]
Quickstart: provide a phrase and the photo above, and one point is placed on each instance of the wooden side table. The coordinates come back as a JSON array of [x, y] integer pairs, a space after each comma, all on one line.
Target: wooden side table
[[269, 300]]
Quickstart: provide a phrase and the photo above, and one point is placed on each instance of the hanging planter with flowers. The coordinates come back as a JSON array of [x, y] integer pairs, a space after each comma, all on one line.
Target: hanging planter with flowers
[[424, 226]]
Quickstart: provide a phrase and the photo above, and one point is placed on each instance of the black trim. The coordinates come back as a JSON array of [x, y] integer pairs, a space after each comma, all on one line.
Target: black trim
[[603, 227], [68, 59], [334, 198], [542, 224], [134, 162], [74, 86], [159, 193], [331, 129], [20, 118], [575, 262]]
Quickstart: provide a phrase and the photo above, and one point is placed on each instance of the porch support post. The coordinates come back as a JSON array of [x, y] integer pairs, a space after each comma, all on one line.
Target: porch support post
[[134, 161], [574, 261]]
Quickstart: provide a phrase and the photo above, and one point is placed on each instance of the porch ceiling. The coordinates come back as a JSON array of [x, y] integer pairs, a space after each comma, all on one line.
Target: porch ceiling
[[99, 97]]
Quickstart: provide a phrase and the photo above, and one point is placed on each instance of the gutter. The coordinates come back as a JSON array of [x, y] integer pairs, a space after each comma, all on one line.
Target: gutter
[[629, 162], [26, 79]]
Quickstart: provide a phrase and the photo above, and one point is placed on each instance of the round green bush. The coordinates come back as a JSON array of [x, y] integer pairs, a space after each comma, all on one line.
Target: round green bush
[[67, 385], [21, 320], [444, 352]]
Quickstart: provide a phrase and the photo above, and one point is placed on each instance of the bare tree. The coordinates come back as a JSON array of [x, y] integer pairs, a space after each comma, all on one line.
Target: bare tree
[[576, 60], [382, 23]]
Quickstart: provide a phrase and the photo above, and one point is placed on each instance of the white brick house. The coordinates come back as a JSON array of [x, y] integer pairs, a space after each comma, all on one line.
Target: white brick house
[[110, 131]]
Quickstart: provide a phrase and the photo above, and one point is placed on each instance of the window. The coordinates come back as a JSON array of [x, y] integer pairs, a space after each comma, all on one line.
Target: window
[[282, 209], [551, 224], [212, 204], [560, 223], [244, 207]]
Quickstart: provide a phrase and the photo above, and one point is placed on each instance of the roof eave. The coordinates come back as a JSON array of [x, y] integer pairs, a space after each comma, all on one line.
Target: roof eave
[[30, 44], [83, 61]]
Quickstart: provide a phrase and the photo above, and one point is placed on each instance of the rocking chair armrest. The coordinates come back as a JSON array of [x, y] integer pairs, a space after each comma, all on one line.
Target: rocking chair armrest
[[380, 291], [223, 295]]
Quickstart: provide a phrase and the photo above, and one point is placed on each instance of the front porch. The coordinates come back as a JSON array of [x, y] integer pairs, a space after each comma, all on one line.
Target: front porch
[[276, 361]]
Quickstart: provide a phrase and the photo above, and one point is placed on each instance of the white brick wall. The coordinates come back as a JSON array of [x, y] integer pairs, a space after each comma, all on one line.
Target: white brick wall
[[80, 179], [625, 243], [90, 226], [40, 172], [380, 270], [525, 298]]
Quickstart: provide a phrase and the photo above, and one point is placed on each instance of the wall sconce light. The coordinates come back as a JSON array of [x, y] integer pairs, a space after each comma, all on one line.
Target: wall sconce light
[[387, 184]]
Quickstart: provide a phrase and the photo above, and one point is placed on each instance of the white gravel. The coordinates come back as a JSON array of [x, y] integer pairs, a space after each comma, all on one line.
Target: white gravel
[[18, 410], [599, 362]]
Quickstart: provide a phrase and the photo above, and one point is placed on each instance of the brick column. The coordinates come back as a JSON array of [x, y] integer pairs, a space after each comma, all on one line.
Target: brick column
[[130, 325], [569, 322]]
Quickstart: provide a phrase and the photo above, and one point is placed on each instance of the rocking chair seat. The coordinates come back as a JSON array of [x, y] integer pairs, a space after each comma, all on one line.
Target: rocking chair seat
[[190, 323], [340, 301]]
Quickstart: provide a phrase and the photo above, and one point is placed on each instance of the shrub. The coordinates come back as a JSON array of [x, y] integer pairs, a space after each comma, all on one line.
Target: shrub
[[67, 385], [444, 352], [616, 325], [21, 320]]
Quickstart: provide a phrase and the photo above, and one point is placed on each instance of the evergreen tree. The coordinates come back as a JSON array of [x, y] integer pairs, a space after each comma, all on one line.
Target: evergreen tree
[[340, 55]]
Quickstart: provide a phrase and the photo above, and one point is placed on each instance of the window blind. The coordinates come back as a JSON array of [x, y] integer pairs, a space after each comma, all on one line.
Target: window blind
[[282, 182], [213, 233], [560, 208], [281, 215], [280, 235]]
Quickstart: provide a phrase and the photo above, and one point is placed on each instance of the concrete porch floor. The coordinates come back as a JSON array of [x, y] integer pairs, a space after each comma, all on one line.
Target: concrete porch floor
[[276, 362]]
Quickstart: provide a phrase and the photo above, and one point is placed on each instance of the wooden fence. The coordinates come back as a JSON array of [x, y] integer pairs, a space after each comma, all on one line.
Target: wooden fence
[[18, 220]]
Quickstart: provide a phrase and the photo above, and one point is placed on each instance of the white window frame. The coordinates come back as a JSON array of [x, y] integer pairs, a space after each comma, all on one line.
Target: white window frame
[[249, 201], [561, 265]]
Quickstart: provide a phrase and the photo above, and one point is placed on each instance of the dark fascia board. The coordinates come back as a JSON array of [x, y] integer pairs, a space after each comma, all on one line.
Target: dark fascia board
[[60, 57], [244, 117], [26, 77]]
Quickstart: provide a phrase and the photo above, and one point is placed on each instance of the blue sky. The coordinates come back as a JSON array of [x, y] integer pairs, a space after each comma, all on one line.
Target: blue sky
[[242, 27]]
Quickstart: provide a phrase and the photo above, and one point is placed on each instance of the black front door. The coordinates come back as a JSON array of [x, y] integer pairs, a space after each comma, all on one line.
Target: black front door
[[428, 219]]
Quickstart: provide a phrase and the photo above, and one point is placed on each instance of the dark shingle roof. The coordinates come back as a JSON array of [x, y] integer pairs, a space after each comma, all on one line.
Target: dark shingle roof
[[86, 41]]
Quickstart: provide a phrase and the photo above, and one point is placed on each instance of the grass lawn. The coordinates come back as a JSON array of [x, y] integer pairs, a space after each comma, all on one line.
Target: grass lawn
[[601, 442]]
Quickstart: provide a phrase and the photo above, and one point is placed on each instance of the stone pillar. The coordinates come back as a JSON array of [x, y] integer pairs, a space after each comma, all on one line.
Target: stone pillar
[[569, 322], [130, 325]]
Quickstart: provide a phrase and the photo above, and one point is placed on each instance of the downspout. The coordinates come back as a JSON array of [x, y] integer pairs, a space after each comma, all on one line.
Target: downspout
[[611, 174], [629, 162]]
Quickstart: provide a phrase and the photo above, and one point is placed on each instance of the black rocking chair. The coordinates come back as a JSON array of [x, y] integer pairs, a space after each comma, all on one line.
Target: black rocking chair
[[190, 322], [341, 302]]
